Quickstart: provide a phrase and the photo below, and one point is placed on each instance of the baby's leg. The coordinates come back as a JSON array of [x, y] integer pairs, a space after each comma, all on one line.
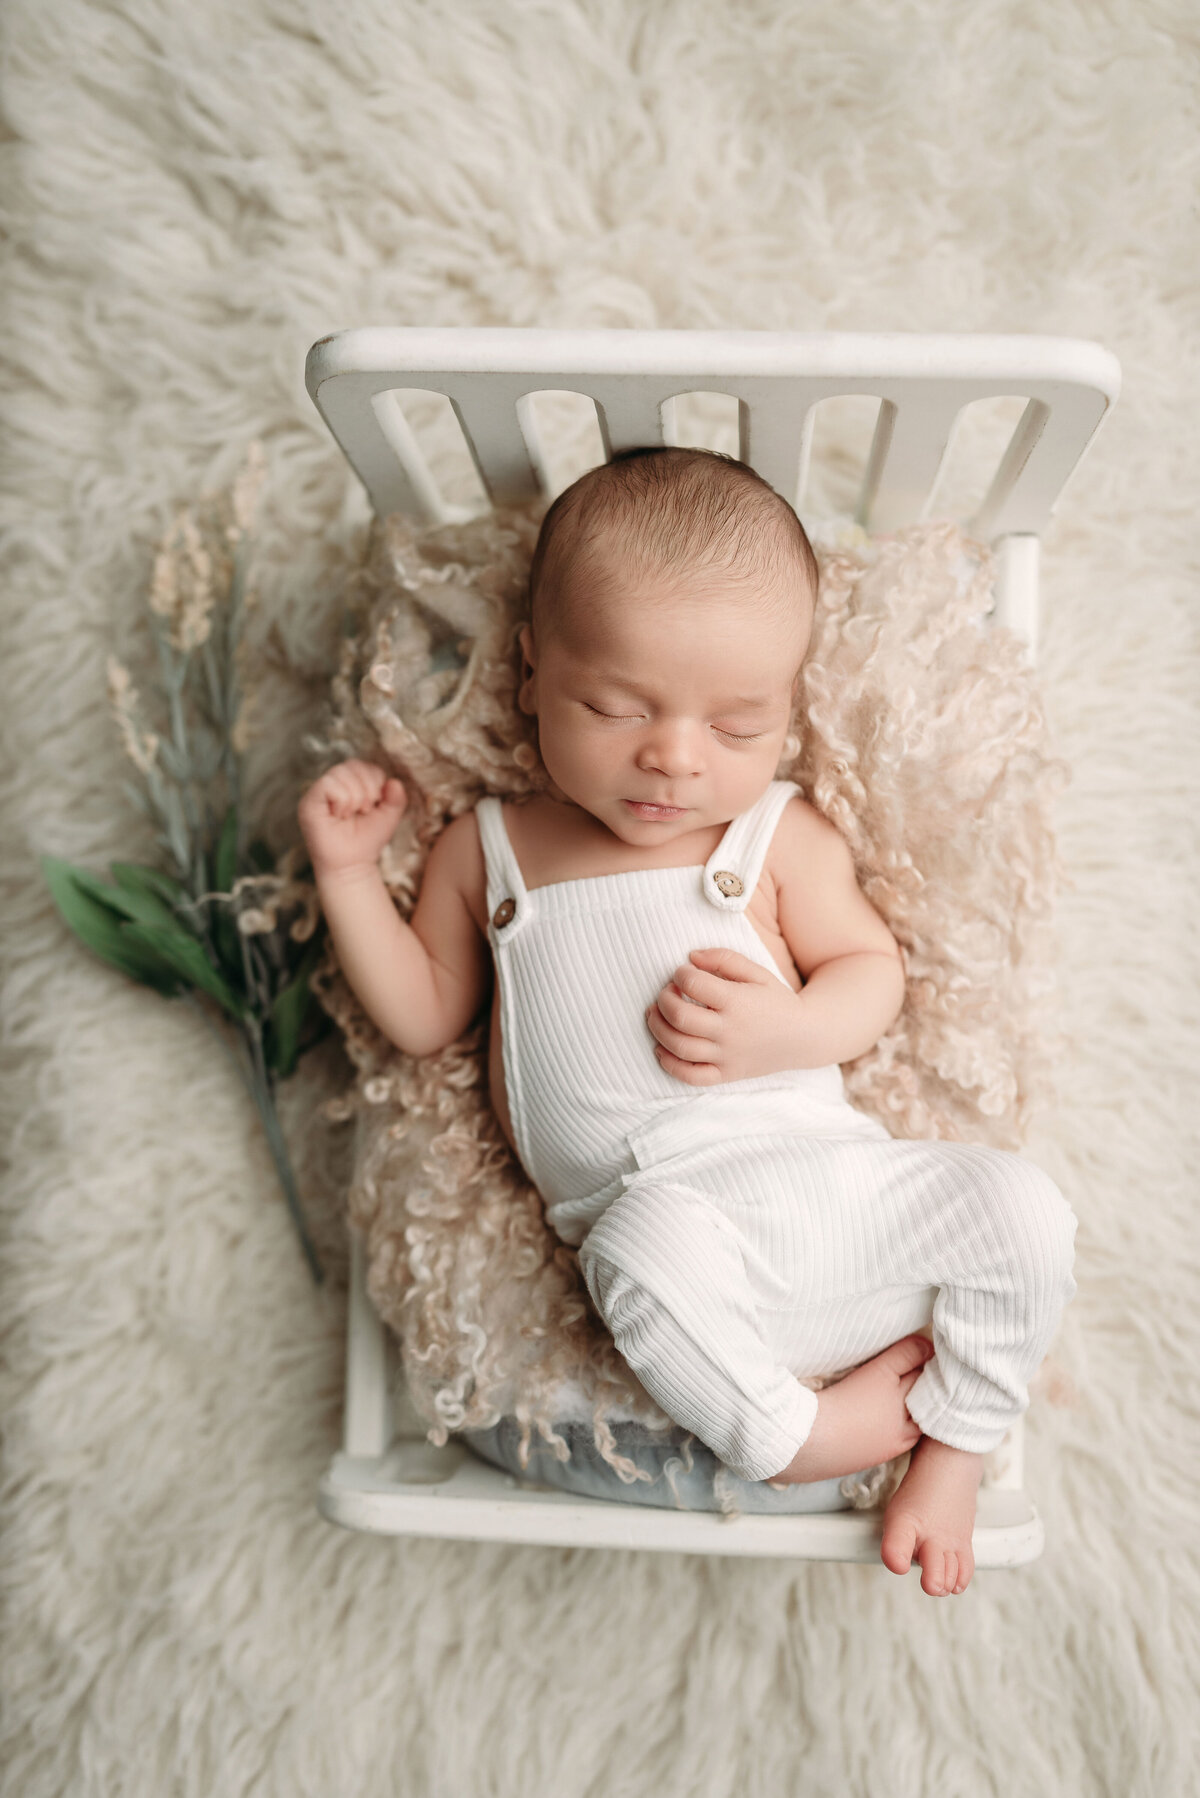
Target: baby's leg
[[667, 1273], [842, 1246], [997, 1238]]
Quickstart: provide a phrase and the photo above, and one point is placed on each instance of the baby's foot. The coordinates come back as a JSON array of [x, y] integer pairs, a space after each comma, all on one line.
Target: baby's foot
[[862, 1420], [931, 1516]]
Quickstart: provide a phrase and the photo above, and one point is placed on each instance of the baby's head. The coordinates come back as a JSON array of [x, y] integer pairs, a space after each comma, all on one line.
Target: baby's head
[[672, 596]]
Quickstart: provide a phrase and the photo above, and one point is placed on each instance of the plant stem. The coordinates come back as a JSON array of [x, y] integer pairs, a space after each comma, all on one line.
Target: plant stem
[[263, 1090], [253, 1072], [233, 637]]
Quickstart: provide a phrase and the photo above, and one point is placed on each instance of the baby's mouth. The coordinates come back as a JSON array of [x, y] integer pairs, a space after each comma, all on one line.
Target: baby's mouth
[[643, 809]]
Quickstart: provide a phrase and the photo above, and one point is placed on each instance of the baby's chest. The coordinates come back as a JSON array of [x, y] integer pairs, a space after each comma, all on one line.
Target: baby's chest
[[631, 963]]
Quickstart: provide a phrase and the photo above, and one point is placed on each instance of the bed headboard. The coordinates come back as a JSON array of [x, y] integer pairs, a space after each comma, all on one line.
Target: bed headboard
[[922, 382]]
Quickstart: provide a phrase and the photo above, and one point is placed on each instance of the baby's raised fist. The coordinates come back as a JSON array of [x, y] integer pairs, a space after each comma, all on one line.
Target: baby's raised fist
[[349, 815]]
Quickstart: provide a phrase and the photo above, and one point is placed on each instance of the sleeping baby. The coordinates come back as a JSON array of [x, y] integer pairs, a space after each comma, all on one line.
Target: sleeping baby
[[682, 959]]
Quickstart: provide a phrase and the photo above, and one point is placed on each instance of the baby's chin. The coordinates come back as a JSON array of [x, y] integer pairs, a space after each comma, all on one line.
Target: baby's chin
[[643, 827]]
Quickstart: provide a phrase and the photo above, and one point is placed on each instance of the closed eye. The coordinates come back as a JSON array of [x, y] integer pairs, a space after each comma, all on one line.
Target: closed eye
[[630, 717]]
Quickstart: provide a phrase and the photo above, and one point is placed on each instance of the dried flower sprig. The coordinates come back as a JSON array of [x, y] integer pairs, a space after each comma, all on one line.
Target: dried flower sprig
[[228, 925]]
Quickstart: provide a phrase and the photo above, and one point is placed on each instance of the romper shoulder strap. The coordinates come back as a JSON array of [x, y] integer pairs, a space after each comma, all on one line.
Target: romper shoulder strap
[[732, 871], [507, 899]]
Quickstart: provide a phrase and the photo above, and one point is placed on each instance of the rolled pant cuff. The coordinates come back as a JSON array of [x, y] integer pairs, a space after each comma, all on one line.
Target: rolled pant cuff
[[937, 1419], [792, 1433]]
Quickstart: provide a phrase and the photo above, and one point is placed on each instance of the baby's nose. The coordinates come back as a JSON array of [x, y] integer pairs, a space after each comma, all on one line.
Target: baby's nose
[[675, 750]]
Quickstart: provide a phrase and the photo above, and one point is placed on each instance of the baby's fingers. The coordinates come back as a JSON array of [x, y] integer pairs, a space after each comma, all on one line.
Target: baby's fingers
[[686, 1015], [700, 987], [730, 964], [686, 1048], [692, 1073], [357, 787]]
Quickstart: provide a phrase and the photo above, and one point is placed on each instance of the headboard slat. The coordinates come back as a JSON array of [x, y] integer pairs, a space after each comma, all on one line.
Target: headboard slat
[[923, 382], [907, 453]]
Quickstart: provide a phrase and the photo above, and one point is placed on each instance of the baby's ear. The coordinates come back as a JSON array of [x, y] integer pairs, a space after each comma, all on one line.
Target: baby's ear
[[526, 692]]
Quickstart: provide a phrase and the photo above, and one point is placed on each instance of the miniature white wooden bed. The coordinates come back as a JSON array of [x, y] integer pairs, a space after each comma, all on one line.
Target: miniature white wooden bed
[[388, 1478]]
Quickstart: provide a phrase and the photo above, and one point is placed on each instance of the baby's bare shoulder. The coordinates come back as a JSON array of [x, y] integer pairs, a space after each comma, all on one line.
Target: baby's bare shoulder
[[805, 839]]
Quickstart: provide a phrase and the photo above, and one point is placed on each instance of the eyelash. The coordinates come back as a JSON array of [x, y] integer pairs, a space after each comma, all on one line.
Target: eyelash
[[733, 737]]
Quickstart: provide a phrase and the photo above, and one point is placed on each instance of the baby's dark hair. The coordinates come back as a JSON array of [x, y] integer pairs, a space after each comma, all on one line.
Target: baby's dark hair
[[669, 508]]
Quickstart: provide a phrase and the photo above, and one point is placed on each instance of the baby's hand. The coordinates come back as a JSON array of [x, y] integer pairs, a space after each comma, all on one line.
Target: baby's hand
[[348, 816], [723, 1017]]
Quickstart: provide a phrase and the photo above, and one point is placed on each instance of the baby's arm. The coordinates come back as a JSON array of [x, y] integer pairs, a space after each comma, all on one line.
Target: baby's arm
[[421, 983], [851, 962], [724, 1017]]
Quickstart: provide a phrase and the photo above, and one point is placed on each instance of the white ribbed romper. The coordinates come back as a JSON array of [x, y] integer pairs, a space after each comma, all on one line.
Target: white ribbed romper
[[733, 1237]]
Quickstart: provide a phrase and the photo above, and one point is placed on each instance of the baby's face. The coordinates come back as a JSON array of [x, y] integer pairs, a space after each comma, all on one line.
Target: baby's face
[[662, 709]]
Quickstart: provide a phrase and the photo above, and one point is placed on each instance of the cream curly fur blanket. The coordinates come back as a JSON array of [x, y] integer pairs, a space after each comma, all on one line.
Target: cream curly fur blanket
[[192, 195], [919, 733]]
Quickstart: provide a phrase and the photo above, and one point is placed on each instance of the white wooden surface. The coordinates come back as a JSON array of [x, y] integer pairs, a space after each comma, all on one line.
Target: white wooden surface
[[777, 377], [416, 1490], [387, 1479]]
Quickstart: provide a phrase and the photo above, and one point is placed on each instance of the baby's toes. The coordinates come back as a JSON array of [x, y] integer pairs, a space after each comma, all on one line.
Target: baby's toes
[[933, 1569], [899, 1540], [966, 1567]]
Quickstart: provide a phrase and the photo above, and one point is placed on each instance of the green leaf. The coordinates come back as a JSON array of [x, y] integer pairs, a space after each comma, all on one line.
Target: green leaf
[[229, 944], [288, 1013], [261, 859], [135, 877], [187, 957], [99, 930], [135, 902]]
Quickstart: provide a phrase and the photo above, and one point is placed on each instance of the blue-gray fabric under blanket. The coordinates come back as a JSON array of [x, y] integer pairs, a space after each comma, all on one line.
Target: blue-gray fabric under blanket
[[683, 1478]]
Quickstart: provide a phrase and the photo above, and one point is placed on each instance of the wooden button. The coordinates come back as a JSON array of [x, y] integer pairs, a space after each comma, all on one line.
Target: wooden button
[[504, 913], [729, 884]]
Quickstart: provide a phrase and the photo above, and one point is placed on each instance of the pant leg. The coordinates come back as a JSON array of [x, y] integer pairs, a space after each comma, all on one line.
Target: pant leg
[[1001, 1254], [982, 1233], [666, 1271], [715, 1283]]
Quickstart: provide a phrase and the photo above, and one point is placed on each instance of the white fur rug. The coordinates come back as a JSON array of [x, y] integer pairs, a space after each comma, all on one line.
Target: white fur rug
[[194, 194]]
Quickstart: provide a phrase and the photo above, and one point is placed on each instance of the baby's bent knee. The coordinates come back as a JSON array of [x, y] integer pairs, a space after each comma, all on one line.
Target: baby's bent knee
[[1040, 1221]]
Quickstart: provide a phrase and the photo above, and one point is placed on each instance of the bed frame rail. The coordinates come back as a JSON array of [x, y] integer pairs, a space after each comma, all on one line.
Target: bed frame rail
[[923, 384]]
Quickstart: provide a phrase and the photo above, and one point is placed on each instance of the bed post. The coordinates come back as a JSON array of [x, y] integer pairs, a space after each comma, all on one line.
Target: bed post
[[367, 1427], [1017, 557]]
